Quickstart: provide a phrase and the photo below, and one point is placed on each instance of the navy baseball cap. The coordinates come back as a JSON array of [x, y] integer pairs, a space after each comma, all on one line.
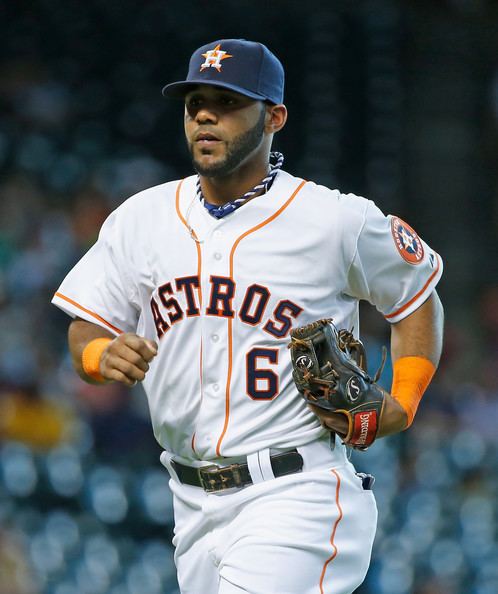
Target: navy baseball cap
[[247, 67]]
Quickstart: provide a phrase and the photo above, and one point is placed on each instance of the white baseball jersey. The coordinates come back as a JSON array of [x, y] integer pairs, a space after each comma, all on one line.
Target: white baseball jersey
[[221, 296]]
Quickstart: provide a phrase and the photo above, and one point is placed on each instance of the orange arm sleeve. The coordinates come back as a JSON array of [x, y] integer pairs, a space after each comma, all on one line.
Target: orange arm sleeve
[[411, 376]]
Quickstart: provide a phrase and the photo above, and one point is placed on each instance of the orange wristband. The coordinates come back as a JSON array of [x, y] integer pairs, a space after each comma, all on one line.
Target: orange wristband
[[90, 357], [411, 376]]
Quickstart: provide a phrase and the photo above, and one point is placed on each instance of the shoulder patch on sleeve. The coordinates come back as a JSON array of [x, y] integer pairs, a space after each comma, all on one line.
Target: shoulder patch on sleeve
[[407, 241]]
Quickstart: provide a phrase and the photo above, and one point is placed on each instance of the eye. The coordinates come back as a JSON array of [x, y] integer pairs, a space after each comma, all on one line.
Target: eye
[[228, 100], [193, 101]]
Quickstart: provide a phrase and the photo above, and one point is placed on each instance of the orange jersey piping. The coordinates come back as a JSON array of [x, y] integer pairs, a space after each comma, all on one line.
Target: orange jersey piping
[[199, 291], [334, 529], [88, 311], [413, 299], [230, 320]]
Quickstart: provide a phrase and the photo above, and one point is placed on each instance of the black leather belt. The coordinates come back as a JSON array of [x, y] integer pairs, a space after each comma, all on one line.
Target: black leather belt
[[214, 478]]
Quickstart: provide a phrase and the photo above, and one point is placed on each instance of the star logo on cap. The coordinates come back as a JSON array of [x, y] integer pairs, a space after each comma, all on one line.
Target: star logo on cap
[[214, 58]]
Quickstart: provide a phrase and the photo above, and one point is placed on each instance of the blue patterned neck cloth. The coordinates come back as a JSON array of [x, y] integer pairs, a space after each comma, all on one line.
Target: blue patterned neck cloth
[[276, 162]]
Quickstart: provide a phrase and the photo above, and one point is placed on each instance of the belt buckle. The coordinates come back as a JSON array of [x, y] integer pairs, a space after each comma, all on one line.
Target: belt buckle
[[215, 478]]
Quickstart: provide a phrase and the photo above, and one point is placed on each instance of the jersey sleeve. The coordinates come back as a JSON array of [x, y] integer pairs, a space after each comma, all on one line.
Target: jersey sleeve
[[99, 288], [392, 267]]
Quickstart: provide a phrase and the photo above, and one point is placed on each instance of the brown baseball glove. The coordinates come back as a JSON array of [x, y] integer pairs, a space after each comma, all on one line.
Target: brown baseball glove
[[330, 371]]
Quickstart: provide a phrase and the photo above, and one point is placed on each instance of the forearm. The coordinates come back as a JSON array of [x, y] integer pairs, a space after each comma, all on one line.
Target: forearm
[[420, 335]]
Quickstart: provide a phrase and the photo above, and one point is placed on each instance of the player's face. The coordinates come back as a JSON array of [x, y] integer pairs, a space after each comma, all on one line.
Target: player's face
[[223, 129]]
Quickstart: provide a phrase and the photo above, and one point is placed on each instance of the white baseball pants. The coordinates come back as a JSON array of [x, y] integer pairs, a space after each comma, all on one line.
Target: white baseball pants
[[306, 533]]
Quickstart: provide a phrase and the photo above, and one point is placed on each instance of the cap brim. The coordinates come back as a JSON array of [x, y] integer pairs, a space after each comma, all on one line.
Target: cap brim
[[178, 90]]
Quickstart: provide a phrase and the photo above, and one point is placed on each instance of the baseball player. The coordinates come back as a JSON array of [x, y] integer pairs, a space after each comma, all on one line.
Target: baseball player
[[194, 287]]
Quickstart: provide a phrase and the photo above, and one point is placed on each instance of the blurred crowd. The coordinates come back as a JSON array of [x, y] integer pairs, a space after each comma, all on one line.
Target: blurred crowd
[[84, 504]]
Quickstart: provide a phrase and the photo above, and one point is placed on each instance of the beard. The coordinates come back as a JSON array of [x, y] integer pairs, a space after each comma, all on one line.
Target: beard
[[237, 151]]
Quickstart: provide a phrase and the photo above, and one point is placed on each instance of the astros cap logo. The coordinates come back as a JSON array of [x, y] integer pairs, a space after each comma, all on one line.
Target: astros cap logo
[[214, 58]]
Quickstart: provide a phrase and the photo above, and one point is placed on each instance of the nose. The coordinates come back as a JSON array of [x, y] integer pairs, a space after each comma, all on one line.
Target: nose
[[206, 115]]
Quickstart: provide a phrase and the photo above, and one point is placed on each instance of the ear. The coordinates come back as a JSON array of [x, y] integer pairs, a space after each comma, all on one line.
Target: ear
[[276, 116]]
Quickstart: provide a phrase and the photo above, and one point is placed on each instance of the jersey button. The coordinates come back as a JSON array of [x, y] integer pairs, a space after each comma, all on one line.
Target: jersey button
[[215, 338], [217, 256], [216, 387]]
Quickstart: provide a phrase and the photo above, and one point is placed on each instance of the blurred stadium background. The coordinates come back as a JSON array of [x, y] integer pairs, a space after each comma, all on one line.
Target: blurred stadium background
[[397, 101]]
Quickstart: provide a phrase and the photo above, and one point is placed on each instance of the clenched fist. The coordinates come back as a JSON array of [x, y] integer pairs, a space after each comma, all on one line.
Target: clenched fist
[[126, 359]]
